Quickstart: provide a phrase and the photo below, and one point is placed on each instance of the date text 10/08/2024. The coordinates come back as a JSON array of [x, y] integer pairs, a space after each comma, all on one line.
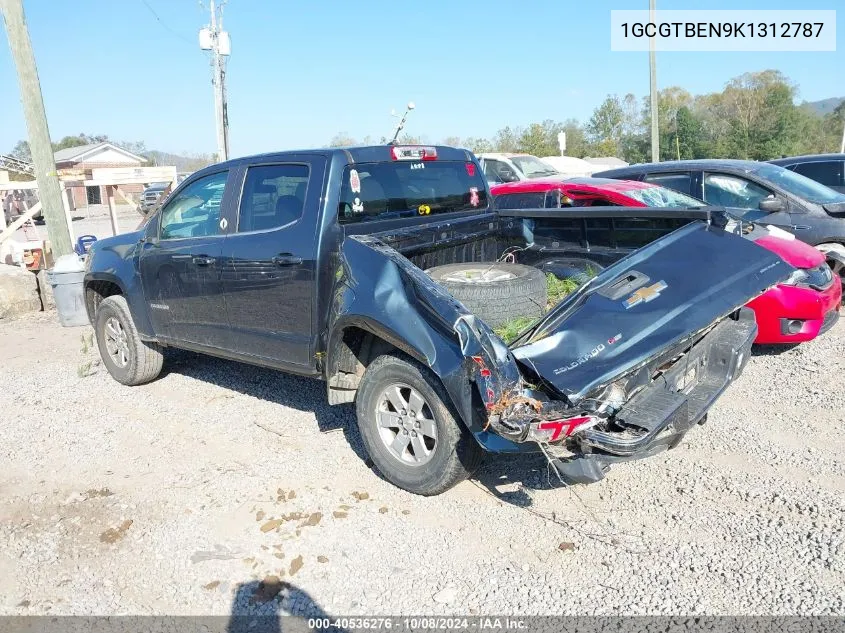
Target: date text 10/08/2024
[[419, 623]]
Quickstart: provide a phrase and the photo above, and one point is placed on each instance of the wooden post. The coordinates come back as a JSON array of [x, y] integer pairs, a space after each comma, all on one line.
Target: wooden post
[[49, 190], [112, 209], [68, 218]]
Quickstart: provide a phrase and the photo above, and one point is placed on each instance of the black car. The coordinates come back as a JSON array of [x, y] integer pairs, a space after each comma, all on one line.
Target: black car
[[828, 169], [760, 192]]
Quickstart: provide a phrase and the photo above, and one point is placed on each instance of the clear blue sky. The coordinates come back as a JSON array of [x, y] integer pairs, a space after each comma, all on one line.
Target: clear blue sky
[[302, 71]]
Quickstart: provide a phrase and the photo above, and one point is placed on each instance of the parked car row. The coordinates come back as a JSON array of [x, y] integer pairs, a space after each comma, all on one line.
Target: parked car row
[[758, 192], [358, 266], [796, 310]]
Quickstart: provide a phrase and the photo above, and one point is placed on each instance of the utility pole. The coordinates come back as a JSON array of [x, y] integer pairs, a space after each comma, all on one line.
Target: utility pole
[[49, 189], [652, 73], [215, 39]]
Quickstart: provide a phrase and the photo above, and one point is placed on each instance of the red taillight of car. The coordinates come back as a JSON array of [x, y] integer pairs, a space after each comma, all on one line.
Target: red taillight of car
[[553, 430], [413, 152]]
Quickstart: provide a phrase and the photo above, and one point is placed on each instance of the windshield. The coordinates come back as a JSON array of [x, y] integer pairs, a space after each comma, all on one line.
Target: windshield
[[401, 189], [798, 185], [662, 197], [532, 166]]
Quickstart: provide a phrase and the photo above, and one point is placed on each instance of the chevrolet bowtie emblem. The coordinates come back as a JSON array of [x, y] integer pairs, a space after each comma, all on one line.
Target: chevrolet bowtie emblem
[[644, 295]]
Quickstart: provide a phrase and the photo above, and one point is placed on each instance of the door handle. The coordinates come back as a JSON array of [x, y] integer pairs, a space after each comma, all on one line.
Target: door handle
[[203, 260], [286, 259]]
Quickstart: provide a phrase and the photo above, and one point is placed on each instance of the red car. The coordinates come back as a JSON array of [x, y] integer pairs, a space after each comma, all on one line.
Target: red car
[[794, 311]]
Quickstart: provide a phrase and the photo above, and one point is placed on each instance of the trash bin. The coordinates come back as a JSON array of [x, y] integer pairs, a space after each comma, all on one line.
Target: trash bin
[[66, 279]]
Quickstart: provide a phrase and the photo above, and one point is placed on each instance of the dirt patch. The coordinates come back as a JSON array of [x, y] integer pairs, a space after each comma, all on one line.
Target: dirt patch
[[113, 535]]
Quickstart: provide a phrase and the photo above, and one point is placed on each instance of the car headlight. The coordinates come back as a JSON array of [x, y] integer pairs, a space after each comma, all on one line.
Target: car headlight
[[797, 278]]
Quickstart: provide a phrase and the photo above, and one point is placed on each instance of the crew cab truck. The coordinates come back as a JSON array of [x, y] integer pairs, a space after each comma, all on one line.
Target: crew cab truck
[[313, 262]]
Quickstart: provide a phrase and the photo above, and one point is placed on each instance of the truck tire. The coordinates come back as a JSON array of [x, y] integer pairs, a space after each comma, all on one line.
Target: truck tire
[[495, 293], [424, 451], [127, 358]]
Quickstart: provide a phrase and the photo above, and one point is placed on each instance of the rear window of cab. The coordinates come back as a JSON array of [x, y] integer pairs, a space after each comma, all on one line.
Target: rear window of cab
[[403, 189]]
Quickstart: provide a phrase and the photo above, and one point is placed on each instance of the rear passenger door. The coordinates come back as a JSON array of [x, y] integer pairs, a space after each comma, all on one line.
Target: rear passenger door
[[270, 261]]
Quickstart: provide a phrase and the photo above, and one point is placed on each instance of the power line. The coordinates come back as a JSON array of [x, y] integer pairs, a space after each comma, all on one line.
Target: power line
[[167, 28]]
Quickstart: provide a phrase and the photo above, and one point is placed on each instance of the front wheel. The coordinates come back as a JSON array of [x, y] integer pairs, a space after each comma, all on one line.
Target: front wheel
[[129, 360], [410, 430]]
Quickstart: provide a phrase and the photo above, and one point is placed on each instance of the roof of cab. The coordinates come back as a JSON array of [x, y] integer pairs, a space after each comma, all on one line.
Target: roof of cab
[[357, 154]]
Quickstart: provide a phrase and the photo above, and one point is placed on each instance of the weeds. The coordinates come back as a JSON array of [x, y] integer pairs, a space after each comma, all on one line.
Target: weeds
[[557, 288], [84, 368]]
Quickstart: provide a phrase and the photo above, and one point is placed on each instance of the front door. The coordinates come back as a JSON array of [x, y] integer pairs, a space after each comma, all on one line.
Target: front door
[[743, 198], [269, 261], [180, 268]]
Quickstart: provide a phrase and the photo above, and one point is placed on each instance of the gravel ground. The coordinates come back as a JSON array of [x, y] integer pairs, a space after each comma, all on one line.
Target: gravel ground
[[182, 496]]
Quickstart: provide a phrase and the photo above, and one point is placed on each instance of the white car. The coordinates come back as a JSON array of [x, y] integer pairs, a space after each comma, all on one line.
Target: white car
[[499, 168]]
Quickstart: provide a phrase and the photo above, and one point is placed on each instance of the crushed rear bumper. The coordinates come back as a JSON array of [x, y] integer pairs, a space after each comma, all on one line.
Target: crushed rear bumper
[[657, 417]]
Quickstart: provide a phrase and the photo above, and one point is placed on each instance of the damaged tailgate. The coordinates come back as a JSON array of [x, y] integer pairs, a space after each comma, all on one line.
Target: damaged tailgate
[[653, 299]]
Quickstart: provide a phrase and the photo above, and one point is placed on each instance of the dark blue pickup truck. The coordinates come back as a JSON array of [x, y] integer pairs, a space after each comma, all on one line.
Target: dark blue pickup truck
[[323, 263]]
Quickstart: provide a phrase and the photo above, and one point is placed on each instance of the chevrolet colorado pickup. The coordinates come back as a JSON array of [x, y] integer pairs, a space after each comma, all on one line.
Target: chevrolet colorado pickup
[[313, 262]]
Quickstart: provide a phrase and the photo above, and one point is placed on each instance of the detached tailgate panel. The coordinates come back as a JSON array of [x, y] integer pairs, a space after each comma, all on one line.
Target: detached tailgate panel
[[652, 299]]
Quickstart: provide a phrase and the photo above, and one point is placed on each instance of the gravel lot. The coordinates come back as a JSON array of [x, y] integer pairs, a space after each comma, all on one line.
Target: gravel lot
[[178, 497]]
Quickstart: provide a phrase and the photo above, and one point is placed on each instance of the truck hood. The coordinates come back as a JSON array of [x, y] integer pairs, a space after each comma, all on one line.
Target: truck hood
[[645, 304]]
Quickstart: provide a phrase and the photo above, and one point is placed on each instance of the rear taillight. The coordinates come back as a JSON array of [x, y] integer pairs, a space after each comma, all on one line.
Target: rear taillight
[[413, 152], [554, 430]]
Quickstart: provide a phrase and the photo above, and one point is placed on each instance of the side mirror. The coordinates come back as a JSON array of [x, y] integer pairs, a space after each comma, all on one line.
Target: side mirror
[[508, 175], [771, 204]]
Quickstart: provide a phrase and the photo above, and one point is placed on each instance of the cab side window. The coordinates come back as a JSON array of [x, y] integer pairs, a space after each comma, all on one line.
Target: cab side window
[[194, 211], [273, 196]]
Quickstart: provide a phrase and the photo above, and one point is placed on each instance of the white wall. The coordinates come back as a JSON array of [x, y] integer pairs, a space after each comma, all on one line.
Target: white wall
[[108, 155]]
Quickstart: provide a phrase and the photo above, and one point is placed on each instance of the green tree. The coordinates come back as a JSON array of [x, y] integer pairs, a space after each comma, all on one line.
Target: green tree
[[342, 139], [477, 145], [606, 126], [576, 138], [688, 132], [507, 140], [21, 151]]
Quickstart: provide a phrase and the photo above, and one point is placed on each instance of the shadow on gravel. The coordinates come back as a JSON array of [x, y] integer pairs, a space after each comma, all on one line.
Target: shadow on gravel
[[274, 606], [508, 478], [295, 392], [772, 350]]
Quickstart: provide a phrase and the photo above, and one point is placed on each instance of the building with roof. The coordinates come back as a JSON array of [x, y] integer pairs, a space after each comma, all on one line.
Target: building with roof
[[76, 163]]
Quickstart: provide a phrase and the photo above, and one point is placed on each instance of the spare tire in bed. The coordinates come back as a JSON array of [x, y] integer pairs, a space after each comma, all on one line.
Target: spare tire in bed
[[495, 293]]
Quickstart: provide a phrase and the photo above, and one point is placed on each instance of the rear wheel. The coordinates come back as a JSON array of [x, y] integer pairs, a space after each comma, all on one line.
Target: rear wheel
[[409, 428], [127, 358]]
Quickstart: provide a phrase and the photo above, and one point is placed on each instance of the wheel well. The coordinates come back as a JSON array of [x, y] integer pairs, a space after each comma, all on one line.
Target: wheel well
[[349, 359], [95, 292]]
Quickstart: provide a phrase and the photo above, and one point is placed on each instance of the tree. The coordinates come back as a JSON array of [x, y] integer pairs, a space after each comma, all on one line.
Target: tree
[[78, 140], [453, 141], [688, 132], [21, 151], [342, 139], [478, 145], [507, 140], [576, 138], [606, 126]]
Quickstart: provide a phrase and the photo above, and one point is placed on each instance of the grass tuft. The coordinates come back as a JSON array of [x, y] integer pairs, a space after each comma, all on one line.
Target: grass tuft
[[558, 289]]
